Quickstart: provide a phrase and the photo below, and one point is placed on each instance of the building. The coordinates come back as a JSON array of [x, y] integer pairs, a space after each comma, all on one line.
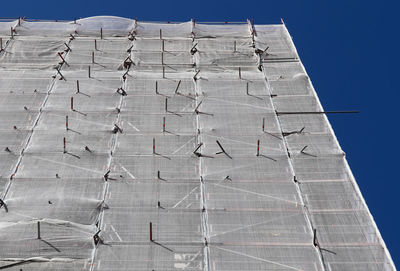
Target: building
[[129, 145]]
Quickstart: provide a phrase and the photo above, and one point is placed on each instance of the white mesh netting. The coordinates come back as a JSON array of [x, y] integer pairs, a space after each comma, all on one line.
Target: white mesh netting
[[109, 124]]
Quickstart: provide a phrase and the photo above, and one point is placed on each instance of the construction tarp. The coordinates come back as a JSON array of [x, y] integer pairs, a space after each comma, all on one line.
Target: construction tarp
[[129, 145]]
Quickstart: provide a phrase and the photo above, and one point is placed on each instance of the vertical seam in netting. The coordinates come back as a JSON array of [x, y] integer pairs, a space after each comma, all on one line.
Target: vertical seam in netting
[[296, 183], [31, 130], [113, 145]]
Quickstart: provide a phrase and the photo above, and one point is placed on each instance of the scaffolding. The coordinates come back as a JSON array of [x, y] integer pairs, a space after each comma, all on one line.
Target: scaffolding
[[130, 145]]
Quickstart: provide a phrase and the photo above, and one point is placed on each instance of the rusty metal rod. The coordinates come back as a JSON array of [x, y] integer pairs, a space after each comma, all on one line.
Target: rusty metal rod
[[317, 112]]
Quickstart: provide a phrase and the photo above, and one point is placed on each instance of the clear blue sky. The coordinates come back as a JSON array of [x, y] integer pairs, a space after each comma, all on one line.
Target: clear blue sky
[[350, 50]]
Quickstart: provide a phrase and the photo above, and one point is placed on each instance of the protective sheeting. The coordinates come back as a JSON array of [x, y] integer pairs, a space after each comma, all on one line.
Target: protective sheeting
[[47, 29], [131, 145], [6, 27], [104, 25], [163, 30]]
